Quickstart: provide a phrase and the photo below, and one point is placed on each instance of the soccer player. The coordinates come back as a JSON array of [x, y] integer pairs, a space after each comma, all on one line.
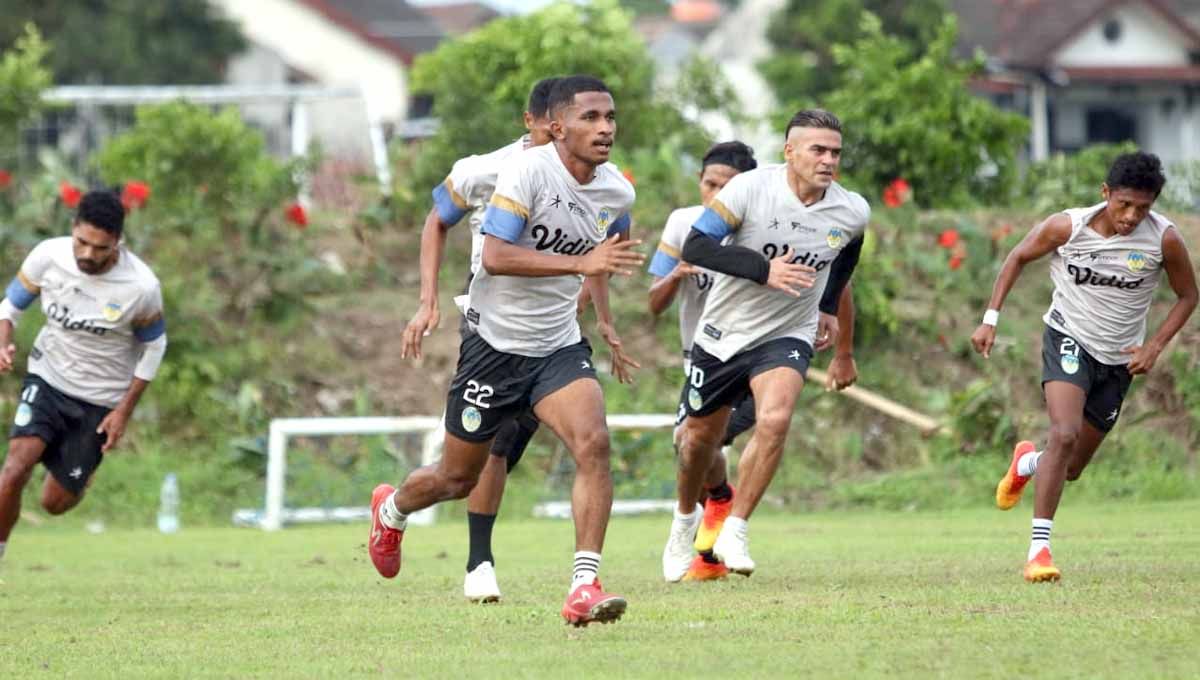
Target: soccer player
[[553, 219], [466, 193], [101, 345], [785, 239], [1105, 261]]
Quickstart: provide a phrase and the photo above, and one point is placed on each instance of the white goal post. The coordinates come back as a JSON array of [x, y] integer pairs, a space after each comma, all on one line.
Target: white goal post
[[275, 515]]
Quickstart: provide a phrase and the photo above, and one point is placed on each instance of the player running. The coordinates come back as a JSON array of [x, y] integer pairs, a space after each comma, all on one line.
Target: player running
[[101, 345], [1105, 261], [785, 239], [553, 219], [466, 193]]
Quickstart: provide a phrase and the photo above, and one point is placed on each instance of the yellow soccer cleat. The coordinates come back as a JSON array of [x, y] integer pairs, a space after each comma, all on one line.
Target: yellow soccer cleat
[[1041, 568], [1008, 491]]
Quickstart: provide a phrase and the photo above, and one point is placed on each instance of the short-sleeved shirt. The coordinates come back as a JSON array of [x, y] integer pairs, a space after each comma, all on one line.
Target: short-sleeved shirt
[[694, 289], [758, 210], [468, 188], [95, 324], [539, 206], [1103, 287]]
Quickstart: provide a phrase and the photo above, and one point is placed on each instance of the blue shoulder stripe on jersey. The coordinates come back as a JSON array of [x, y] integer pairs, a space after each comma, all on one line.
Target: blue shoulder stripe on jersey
[[662, 264], [502, 224], [619, 227], [152, 332], [18, 295], [448, 211], [711, 224]]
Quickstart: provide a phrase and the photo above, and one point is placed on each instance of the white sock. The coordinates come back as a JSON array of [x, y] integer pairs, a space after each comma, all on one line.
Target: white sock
[[1027, 464], [587, 566], [682, 517], [390, 516], [1040, 539], [2, 545], [736, 525]]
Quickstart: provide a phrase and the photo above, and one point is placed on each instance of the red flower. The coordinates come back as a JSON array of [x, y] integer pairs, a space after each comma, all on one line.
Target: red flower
[[296, 215], [69, 194], [134, 195], [628, 175], [5, 179], [948, 238], [956, 260], [897, 193]]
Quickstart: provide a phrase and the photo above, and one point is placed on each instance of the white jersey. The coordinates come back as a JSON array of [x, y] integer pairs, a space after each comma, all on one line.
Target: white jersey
[[96, 326], [693, 290], [758, 210], [468, 188], [1103, 287], [538, 205]]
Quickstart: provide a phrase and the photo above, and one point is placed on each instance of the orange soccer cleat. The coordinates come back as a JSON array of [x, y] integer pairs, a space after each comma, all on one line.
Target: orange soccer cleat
[[1008, 491]]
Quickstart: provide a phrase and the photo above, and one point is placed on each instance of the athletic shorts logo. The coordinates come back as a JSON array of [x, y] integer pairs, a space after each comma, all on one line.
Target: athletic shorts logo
[[1069, 363], [1135, 261], [24, 415], [111, 312], [471, 419], [712, 332], [603, 219], [835, 237], [694, 399]]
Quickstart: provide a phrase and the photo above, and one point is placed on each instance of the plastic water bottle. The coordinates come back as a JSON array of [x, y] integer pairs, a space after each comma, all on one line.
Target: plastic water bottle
[[168, 507]]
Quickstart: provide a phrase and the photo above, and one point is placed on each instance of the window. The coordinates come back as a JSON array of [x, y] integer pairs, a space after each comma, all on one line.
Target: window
[[1112, 30]]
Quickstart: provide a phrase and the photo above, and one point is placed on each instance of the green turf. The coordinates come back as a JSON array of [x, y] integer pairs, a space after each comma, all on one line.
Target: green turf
[[836, 595]]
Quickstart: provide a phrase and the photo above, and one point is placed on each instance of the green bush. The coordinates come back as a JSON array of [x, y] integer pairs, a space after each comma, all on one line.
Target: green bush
[[1067, 181]]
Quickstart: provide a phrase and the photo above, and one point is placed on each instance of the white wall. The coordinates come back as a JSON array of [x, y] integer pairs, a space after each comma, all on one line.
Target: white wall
[[1146, 39], [306, 40]]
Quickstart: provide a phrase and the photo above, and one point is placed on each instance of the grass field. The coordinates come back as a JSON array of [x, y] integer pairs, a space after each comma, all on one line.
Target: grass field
[[837, 595]]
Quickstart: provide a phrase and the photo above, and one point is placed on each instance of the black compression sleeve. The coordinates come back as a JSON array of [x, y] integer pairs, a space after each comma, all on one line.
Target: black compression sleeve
[[839, 275], [705, 251]]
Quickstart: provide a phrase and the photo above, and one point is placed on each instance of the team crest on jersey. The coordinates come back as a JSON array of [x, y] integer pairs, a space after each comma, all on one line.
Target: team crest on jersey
[[1135, 261], [835, 238], [694, 399], [111, 311], [24, 415], [603, 219], [1069, 363], [471, 419]]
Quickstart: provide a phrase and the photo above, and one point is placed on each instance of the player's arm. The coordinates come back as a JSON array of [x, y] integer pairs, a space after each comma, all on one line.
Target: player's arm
[[668, 269], [1051, 233], [151, 332], [703, 248], [622, 364], [502, 226], [1178, 265], [20, 293], [843, 372], [449, 207], [828, 325]]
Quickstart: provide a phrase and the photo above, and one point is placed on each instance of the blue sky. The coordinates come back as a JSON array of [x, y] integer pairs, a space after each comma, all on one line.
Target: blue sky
[[507, 6]]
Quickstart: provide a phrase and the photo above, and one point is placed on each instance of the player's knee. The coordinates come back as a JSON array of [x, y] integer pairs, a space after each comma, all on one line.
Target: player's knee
[[459, 486], [15, 474], [1073, 473], [593, 445], [772, 425], [1063, 437], [57, 504]]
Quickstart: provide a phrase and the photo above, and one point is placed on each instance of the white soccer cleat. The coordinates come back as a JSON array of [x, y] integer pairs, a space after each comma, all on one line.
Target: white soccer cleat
[[677, 555], [480, 584], [733, 549]]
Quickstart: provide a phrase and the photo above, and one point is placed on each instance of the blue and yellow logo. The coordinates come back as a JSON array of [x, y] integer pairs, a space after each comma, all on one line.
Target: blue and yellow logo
[[603, 219], [471, 419], [111, 311], [835, 238], [1135, 261]]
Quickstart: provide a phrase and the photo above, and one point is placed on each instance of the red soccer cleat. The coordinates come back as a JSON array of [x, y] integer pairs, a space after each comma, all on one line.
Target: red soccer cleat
[[705, 571], [589, 603], [1008, 491], [384, 542], [1041, 568]]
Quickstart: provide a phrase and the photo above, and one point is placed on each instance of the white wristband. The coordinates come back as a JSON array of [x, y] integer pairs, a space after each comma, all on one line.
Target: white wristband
[[990, 317]]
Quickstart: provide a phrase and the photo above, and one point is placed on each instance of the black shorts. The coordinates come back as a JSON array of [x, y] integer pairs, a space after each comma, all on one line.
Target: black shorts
[[514, 436], [714, 383], [67, 425], [1104, 385], [492, 387], [741, 418]]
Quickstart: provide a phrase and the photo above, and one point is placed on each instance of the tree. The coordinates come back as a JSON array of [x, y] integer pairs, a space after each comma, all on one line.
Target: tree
[[802, 70], [907, 112], [23, 76], [128, 42], [480, 84]]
